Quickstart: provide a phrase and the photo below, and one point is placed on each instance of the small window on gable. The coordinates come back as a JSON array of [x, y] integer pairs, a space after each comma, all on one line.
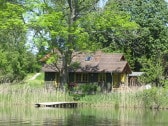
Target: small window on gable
[[88, 58]]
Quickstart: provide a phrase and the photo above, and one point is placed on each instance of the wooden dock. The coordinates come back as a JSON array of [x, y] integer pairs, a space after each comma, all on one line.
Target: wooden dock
[[57, 104]]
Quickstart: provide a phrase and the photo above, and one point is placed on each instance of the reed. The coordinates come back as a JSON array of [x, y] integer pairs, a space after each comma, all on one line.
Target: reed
[[24, 94], [33, 91], [125, 100]]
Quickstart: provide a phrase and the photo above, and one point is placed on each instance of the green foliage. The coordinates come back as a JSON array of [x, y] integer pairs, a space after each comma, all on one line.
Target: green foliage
[[88, 88], [58, 24], [77, 97], [67, 36], [108, 27], [11, 16], [152, 35], [15, 66], [16, 61], [137, 28], [155, 97], [153, 71], [74, 65]]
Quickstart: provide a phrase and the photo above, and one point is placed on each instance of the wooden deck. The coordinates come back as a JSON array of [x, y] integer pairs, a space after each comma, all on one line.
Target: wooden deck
[[57, 104]]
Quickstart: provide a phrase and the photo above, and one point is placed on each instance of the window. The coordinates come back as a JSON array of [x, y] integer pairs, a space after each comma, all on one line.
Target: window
[[102, 77], [78, 77], [84, 77], [81, 77], [88, 58]]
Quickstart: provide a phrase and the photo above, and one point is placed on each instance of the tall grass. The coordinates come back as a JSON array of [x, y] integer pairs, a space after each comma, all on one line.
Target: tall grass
[[33, 91], [154, 98], [30, 91], [25, 94], [125, 100]]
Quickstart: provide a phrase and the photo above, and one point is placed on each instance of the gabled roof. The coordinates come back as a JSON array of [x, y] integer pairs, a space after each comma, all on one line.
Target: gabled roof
[[97, 62]]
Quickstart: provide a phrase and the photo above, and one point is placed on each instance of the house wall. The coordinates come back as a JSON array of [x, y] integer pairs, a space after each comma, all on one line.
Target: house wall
[[119, 78], [52, 79], [116, 80], [104, 80], [92, 77], [123, 78]]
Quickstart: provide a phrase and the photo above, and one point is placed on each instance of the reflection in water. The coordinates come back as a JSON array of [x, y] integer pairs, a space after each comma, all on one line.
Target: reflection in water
[[30, 116]]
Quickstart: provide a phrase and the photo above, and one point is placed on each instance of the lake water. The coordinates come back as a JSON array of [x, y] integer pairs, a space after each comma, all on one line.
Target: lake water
[[31, 116]]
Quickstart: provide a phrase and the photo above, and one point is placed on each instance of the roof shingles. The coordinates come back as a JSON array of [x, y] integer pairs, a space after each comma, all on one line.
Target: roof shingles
[[98, 62]]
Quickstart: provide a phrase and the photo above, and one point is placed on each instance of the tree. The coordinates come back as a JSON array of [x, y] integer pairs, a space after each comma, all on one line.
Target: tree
[[75, 25], [14, 52], [151, 16], [153, 69], [59, 25], [112, 29]]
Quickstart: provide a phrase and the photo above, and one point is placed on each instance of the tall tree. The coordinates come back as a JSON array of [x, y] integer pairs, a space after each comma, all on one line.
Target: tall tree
[[151, 15], [58, 22], [75, 25], [14, 64], [111, 28]]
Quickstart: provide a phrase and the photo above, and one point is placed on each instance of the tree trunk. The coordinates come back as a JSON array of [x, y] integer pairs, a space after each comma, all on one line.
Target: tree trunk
[[66, 57], [74, 10], [64, 74]]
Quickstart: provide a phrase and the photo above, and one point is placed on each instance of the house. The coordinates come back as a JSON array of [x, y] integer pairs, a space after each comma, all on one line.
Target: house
[[105, 69]]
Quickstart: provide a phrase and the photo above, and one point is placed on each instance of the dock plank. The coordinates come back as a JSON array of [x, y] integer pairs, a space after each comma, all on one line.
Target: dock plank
[[57, 104]]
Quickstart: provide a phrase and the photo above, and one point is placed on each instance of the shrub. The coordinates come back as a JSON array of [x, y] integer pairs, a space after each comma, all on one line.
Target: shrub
[[88, 88], [155, 97]]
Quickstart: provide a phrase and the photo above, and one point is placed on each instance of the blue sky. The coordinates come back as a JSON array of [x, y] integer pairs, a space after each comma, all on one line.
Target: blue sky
[[102, 2]]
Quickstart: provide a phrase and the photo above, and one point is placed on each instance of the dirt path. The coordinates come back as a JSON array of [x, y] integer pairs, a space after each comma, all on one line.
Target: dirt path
[[34, 77]]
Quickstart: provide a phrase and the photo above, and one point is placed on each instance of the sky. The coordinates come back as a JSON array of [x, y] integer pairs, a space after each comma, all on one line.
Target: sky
[[102, 2]]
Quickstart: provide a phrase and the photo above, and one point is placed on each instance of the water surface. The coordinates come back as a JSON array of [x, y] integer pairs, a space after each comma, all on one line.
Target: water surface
[[31, 116]]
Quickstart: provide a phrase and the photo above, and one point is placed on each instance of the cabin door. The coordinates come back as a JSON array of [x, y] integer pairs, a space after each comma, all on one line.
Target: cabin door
[[57, 80], [116, 80]]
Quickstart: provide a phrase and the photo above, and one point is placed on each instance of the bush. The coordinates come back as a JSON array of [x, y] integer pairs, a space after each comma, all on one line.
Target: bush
[[155, 97], [88, 88]]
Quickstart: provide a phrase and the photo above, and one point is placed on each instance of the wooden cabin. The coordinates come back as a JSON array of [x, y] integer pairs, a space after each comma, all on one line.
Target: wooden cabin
[[105, 69]]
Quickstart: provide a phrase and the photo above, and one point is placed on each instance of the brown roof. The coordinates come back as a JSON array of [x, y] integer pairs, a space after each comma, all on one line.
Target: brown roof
[[97, 62], [49, 68]]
